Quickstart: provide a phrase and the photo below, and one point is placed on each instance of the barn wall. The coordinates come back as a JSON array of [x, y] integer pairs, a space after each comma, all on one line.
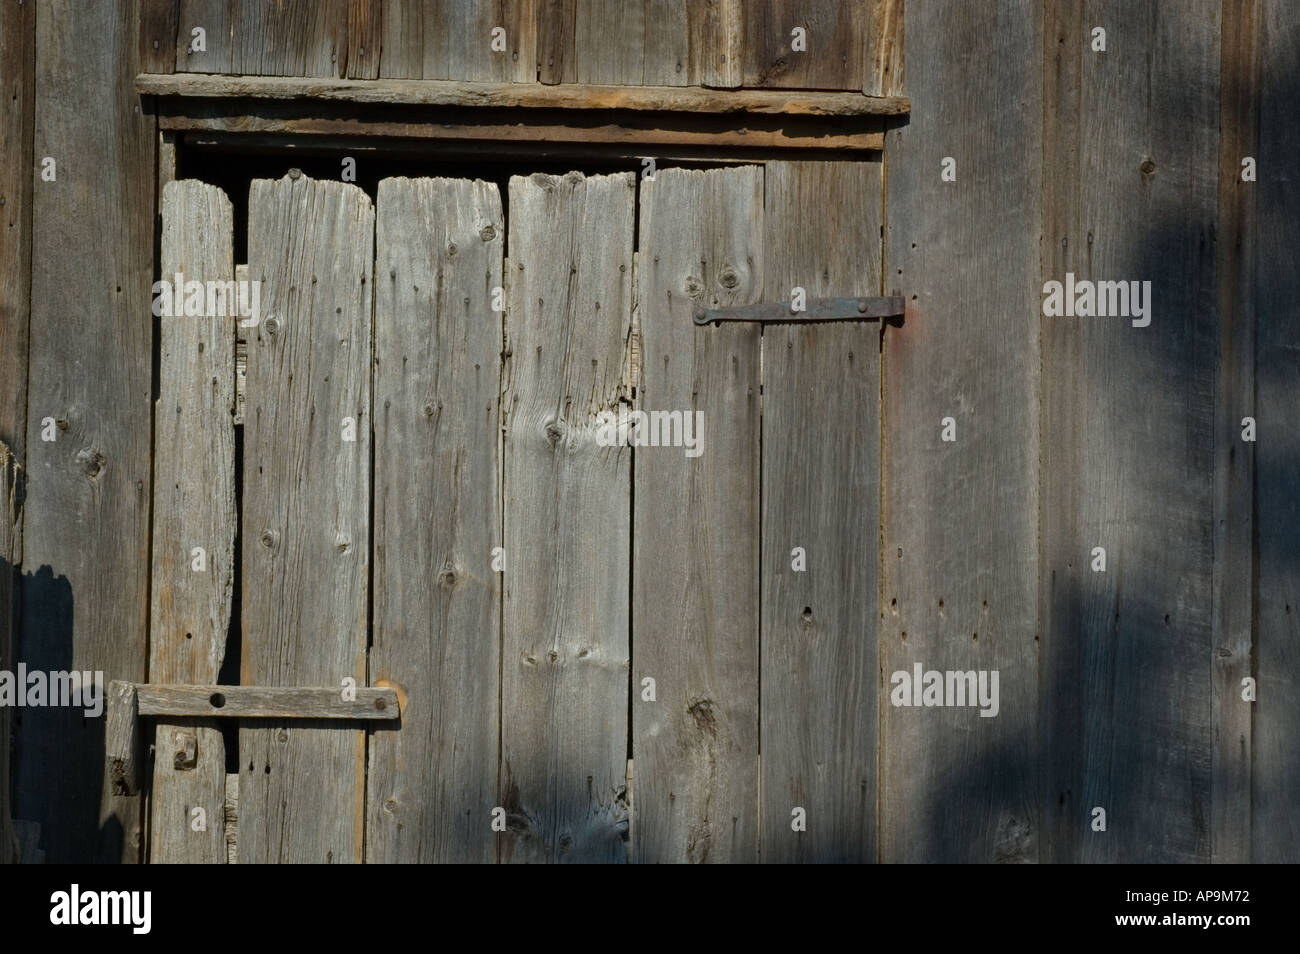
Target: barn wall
[[1121, 690]]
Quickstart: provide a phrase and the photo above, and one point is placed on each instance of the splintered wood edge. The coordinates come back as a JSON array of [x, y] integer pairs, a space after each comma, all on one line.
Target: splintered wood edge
[[524, 95], [262, 702]]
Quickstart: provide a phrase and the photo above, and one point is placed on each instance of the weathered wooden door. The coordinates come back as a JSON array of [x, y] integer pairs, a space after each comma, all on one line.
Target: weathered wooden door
[[604, 650]]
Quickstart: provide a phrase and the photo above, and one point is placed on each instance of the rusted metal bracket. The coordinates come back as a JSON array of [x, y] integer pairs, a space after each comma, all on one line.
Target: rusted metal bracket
[[129, 702], [816, 309]]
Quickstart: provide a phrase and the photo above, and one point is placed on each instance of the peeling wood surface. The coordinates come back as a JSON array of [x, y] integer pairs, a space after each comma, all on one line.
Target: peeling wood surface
[[695, 545], [306, 504], [437, 619], [567, 520]]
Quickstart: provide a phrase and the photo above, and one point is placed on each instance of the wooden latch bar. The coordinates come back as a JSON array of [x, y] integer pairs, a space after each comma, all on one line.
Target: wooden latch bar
[[129, 702], [817, 309]]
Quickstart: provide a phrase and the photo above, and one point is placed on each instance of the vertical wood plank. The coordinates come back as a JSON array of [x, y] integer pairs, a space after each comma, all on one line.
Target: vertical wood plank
[[835, 34], [9, 476], [567, 520], [158, 35], [821, 493], [555, 41], [290, 37], [959, 518], [1234, 462], [402, 39], [695, 554], [609, 42], [667, 43], [306, 536], [194, 507], [364, 35], [1276, 784], [716, 30], [458, 40], [883, 66], [217, 18], [1129, 436], [437, 621], [85, 550]]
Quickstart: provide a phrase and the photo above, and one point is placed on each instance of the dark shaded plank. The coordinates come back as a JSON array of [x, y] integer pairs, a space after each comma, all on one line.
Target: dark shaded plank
[[609, 42], [216, 17], [306, 503], [17, 72], [555, 41], [959, 522], [364, 36], [85, 552], [836, 33], [695, 544], [567, 520], [9, 476], [1128, 439], [401, 39], [194, 519], [1276, 789], [1234, 461], [158, 35], [821, 493], [437, 619]]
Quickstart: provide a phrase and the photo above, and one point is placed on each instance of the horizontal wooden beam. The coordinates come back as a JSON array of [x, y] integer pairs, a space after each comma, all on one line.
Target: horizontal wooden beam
[[522, 95], [264, 702], [640, 136]]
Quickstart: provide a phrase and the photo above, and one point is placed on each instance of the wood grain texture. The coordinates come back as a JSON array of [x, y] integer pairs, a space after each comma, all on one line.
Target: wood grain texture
[[556, 62], [717, 34], [667, 44], [695, 553], [1276, 784], [401, 27], [290, 37], [17, 77], [268, 702], [567, 520], [636, 131], [85, 549], [193, 510], [458, 40], [9, 476], [306, 535], [1234, 463], [217, 18], [437, 619], [883, 68], [364, 36], [959, 519], [836, 32], [440, 92], [1128, 441], [123, 746], [158, 35], [609, 42], [821, 492]]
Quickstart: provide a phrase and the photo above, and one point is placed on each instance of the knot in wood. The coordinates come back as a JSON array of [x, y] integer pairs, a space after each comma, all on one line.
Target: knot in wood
[[488, 233], [270, 538], [272, 324], [728, 277]]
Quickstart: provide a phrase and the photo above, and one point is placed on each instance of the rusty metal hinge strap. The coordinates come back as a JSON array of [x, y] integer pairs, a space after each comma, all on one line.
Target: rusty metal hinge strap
[[817, 309]]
